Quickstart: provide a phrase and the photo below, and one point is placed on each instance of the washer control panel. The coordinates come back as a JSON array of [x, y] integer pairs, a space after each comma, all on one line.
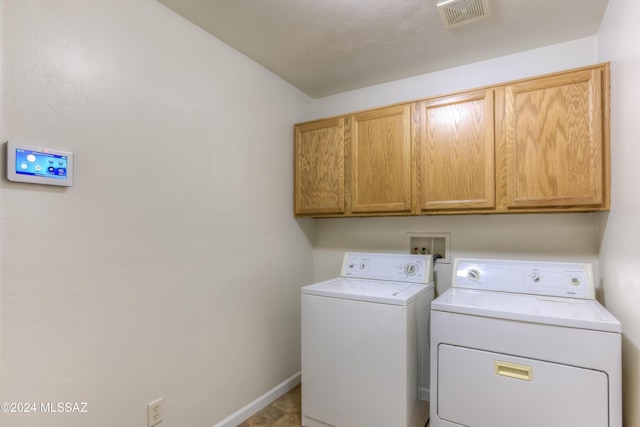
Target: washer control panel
[[559, 279], [391, 267]]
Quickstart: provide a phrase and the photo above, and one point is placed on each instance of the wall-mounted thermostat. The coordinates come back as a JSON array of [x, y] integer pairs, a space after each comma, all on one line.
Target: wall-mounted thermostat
[[39, 165]]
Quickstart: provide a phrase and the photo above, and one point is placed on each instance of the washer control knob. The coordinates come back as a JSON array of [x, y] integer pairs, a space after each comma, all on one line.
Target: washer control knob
[[410, 269], [575, 281], [535, 278], [473, 274]]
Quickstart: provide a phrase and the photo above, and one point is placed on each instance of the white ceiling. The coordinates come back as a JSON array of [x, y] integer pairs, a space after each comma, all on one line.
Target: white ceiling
[[325, 47]]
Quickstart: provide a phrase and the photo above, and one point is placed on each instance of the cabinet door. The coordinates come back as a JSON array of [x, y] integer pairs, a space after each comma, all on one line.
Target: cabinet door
[[381, 160], [455, 154], [555, 140], [319, 167]]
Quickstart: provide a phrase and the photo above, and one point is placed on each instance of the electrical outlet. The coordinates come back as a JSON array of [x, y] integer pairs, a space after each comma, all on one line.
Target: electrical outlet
[[155, 412]]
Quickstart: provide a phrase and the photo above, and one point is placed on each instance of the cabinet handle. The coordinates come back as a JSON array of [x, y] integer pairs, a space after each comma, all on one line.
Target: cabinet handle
[[511, 370]]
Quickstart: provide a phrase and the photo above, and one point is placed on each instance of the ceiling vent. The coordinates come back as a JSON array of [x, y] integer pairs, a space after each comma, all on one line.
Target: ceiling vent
[[459, 12]]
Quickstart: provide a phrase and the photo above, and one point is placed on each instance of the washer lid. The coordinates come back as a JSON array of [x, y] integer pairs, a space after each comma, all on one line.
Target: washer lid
[[567, 312], [377, 291]]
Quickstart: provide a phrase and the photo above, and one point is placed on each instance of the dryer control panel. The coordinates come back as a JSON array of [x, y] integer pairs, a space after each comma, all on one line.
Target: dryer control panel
[[393, 267], [574, 280]]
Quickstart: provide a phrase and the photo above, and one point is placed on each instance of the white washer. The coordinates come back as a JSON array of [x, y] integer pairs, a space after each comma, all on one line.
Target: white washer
[[520, 343], [365, 343]]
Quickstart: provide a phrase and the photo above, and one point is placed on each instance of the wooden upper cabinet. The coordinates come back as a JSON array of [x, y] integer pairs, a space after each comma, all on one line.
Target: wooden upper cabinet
[[319, 167], [455, 153], [380, 146], [556, 140], [533, 145]]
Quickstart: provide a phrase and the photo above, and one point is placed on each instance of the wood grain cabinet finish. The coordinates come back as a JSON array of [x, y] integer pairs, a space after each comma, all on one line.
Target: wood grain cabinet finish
[[556, 136], [454, 152], [319, 167], [380, 145], [533, 145]]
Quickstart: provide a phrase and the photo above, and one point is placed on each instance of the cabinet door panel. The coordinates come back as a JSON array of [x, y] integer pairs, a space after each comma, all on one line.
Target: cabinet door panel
[[455, 152], [554, 140], [381, 160], [319, 167]]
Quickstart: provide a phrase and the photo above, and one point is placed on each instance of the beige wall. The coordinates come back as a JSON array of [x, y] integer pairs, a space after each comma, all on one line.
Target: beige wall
[[172, 267], [552, 237], [542, 237], [620, 228], [576, 53]]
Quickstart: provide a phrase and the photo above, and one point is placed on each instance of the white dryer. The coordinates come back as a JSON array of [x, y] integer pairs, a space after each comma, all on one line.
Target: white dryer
[[519, 343], [365, 343]]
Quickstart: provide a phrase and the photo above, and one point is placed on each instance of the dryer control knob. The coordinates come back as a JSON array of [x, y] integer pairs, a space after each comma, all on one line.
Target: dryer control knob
[[473, 274], [575, 281]]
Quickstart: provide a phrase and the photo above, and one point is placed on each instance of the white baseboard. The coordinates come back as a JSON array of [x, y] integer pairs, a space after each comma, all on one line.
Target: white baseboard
[[254, 407]]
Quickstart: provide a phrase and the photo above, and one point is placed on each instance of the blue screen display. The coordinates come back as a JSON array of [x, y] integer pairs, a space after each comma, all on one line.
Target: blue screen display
[[37, 163]]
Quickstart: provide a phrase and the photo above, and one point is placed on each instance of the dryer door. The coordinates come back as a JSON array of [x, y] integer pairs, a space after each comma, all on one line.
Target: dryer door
[[484, 389]]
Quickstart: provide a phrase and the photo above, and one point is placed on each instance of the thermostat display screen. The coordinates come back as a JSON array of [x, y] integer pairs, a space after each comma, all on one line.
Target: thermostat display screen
[[37, 163]]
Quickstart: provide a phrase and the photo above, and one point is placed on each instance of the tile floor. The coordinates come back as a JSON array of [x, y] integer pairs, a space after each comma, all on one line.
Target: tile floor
[[285, 411], [282, 412]]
